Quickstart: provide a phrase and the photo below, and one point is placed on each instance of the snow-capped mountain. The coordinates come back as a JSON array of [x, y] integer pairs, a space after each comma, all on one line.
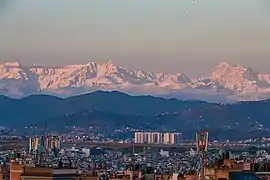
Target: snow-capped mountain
[[242, 81], [227, 83]]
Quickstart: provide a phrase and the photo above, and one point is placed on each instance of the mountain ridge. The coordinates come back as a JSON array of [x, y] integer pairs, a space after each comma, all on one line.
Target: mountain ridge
[[227, 83], [116, 109]]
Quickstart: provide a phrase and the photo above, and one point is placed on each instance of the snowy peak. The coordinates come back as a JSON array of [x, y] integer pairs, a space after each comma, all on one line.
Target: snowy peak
[[107, 69], [12, 70], [223, 64], [173, 79], [16, 64], [226, 81], [240, 79]]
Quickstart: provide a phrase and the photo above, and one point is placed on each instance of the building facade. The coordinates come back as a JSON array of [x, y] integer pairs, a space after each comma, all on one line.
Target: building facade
[[157, 138], [172, 138]]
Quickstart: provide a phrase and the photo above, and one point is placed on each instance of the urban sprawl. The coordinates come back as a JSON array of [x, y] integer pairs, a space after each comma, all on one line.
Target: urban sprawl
[[51, 157]]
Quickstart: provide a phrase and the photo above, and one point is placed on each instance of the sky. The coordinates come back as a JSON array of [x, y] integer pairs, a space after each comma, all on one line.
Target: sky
[[189, 36]]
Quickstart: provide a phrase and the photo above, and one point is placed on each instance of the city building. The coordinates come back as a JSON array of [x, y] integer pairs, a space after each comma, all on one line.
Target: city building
[[86, 151], [49, 173], [16, 170], [172, 138], [21, 171], [33, 143], [55, 142], [44, 143], [139, 137], [157, 138], [148, 137], [154, 138]]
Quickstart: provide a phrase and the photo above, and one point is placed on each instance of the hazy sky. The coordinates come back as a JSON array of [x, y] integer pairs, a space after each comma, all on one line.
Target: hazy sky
[[159, 35]]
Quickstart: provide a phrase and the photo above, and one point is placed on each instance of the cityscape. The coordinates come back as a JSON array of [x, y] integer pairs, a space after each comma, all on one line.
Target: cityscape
[[134, 90], [50, 157]]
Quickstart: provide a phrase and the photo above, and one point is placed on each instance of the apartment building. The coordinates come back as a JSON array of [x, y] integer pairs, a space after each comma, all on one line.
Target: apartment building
[[157, 138]]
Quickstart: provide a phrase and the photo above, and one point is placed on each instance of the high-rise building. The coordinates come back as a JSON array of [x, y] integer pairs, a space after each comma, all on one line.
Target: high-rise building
[[36, 142], [148, 137], [44, 143], [157, 138], [176, 138], [167, 138], [55, 142], [172, 138], [140, 137], [30, 144], [33, 143]]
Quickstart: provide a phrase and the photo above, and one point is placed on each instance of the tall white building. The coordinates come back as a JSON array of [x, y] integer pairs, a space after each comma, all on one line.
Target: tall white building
[[55, 142], [148, 137], [33, 143], [141, 137], [172, 138], [167, 138], [157, 138], [176, 138]]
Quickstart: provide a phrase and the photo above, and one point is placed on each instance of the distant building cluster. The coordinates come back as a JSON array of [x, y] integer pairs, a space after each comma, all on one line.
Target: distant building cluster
[[50, 142], [157, 138]]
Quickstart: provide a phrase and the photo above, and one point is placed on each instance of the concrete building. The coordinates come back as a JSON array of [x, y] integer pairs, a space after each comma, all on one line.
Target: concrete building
[[154, 138], [55, 142], [167, 138], [4, 173], [86, 151], [148, 137], [172, 138], [48, 173], [33, 143], [157, 138], [16, 170], [44, 143], [20, 171]]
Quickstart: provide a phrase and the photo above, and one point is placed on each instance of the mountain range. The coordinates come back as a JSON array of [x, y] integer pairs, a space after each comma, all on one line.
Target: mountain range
[[227, 83], [113, 110]]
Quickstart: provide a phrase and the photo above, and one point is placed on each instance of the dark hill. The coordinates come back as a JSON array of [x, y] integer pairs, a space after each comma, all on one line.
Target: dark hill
[[115, 109], [36, 108]]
